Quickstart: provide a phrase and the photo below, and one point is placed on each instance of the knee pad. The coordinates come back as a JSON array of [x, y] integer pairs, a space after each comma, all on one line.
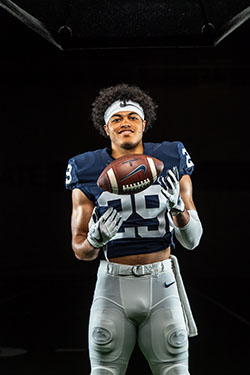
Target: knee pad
[[176, 370], [176, 339], [100, 370]]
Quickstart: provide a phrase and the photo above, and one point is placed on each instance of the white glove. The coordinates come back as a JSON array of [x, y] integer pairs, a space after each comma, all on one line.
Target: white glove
[[171, 190], [102, 230]]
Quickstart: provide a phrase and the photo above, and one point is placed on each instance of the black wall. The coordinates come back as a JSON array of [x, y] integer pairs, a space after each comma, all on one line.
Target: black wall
[[46, 96]]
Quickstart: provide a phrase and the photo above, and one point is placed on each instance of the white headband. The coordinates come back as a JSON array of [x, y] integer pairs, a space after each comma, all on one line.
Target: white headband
[[119, 106]]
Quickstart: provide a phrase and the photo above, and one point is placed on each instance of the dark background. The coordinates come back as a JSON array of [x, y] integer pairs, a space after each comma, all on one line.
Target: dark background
[[46, 96]]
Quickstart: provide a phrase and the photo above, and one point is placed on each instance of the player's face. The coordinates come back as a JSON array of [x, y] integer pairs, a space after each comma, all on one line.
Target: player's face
[[125, 130]]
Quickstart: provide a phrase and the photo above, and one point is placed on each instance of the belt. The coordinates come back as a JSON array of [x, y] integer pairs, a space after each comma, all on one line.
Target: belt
[[116, 269]]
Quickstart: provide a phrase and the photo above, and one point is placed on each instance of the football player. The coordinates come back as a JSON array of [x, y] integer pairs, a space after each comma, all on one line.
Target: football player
[[139, 293]]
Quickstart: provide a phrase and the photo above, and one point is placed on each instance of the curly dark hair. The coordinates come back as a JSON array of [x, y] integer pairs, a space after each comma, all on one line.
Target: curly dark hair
[[122, 92]]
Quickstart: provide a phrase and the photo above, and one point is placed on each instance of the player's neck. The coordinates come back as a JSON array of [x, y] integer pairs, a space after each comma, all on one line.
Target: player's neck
[[117, 152]]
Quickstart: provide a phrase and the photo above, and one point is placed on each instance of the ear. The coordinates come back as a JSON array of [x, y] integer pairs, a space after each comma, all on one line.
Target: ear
[[144, 125], [105, 127]]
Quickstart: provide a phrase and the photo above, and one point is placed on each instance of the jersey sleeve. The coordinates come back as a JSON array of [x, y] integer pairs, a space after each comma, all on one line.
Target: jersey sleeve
[[72, 179], [81, 174], [186, 166]]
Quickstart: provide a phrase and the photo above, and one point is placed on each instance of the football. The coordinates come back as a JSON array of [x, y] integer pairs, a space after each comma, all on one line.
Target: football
[[130, 174]]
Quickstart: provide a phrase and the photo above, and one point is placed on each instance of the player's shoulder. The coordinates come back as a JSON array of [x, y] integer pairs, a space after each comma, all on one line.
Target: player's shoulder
[[89, 159], [171, 153], [164, 149], [86, 167]]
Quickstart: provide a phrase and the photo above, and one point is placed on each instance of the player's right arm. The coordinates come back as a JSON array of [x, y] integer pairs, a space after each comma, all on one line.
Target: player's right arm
[[82, 209], [89, 233]]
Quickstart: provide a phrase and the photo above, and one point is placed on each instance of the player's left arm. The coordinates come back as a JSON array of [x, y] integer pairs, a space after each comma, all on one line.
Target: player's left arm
[[186, 193], [187, 225]]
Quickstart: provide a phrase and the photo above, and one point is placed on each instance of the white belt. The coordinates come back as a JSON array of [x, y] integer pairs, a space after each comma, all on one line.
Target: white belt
[[116, 269]]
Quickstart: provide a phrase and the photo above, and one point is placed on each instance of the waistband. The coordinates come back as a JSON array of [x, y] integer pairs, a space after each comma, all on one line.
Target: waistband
[[116, 269]]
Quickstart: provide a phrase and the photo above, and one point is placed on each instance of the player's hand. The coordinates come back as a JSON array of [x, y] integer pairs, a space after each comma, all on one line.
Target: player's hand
[[171, 190], [102, 230]]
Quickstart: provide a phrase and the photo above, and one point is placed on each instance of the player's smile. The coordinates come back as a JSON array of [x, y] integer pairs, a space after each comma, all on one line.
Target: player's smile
[[126, 131]]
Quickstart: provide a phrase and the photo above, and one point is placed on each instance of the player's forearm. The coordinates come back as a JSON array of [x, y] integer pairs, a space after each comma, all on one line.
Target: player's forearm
[[83, 249], [189, 234], [181, 219]]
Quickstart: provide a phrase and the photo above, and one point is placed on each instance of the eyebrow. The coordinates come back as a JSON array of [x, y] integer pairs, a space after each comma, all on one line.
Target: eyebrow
[[130, 113]]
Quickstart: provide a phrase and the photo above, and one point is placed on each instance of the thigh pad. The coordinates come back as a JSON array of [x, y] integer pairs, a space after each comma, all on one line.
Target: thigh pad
[[106, 333], [169, 338]]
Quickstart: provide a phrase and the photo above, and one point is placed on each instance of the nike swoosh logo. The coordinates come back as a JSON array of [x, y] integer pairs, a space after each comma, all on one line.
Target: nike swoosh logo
[[141, 167], [168, 285]]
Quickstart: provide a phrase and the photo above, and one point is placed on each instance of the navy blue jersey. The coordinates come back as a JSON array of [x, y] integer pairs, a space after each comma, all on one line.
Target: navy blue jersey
[[145, 227]]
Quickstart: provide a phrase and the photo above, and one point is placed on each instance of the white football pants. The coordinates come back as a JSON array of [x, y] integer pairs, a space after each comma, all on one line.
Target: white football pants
[[137, 303]]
